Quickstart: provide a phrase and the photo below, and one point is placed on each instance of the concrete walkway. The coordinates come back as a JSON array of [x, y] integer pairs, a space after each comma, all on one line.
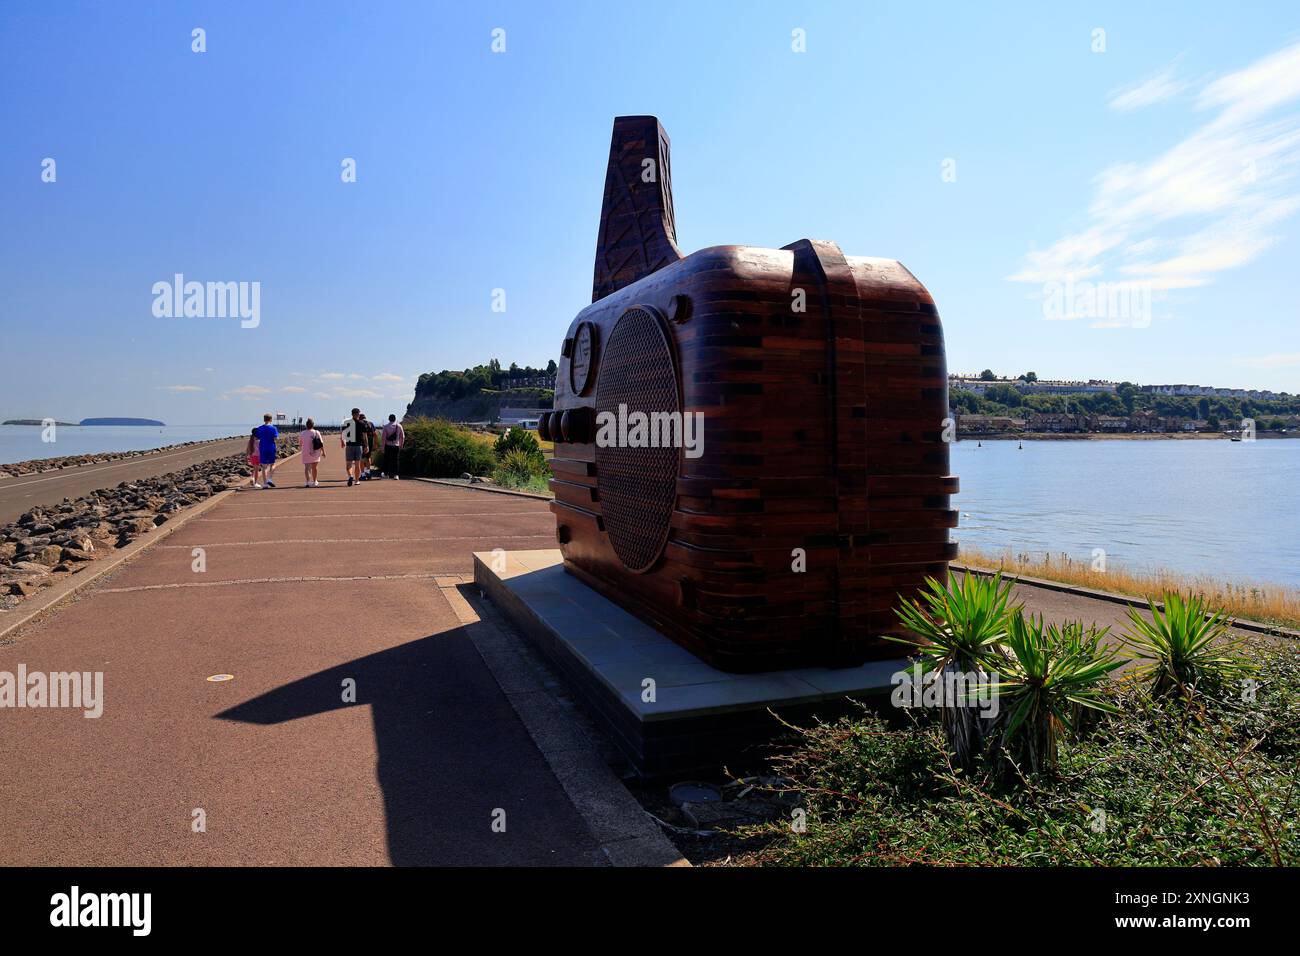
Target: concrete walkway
[[304, 591]]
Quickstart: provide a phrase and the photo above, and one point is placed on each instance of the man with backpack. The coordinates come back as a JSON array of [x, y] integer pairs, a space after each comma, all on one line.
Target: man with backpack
[[368, 431], [353, 439], [394, 438]]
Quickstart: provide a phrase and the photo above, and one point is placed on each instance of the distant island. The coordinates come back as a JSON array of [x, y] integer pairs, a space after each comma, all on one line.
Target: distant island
[[123, 421]]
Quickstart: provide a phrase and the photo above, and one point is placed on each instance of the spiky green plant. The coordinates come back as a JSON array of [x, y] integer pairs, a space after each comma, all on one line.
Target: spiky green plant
[[1183, 646], [1050, 675], [957, 629], [1087, 642]]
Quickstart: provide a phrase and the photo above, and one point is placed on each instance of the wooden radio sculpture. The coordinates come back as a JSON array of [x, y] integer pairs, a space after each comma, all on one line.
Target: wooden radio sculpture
[[816, 494]]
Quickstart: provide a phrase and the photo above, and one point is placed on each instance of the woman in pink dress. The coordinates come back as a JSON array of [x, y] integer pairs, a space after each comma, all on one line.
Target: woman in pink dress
[[313, 450]]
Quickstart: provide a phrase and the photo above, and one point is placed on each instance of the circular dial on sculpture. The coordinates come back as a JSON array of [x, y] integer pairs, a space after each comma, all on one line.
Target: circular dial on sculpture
[[637, 483], [584, 356]]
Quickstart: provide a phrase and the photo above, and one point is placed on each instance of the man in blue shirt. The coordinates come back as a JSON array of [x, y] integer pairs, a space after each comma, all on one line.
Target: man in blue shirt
[[266, 437]]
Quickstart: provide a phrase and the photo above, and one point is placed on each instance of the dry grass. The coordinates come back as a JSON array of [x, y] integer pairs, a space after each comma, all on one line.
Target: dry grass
[[1273, 604]]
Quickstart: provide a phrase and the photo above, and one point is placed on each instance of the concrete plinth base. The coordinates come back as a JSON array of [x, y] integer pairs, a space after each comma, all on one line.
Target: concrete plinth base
[[665, 708]]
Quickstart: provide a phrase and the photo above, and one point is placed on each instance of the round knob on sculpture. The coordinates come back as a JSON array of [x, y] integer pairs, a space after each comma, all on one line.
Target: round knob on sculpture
[[575, 424], [544, 426]]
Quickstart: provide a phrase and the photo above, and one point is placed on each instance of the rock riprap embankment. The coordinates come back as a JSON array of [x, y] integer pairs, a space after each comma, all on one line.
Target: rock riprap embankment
[[48, 544], [38, 465]]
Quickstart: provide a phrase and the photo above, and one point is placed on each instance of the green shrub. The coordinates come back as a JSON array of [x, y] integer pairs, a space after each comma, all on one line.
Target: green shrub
[[1051, 676], [1159, 783], [1184, 646], [438, 449], [517, 439], [958, 629], [523, 470]]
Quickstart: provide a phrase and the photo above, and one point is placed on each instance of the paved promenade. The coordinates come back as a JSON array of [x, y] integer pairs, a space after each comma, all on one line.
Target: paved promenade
[[304, 590]]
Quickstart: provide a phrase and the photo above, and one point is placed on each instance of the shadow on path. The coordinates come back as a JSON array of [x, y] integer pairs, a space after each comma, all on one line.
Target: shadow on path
[[451, 750]]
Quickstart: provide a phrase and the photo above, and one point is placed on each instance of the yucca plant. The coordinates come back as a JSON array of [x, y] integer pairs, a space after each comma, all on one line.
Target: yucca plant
[[1183, 646], [1085, 641], [957, 630], [1050, 675]]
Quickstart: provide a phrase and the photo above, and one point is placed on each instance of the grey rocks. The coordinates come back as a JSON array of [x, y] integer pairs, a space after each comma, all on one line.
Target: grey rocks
[[50, 543], [38, 465]]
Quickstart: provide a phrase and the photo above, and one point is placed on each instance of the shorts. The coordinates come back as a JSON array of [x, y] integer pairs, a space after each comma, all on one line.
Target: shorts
[[268, 459], [254, 461], [355, 452]]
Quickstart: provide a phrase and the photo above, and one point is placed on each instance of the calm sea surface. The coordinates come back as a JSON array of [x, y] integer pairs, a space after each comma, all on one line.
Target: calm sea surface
[[1222, 508], [23, 442]]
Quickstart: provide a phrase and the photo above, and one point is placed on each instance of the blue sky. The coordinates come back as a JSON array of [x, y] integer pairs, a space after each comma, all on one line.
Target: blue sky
[[1165, 162]]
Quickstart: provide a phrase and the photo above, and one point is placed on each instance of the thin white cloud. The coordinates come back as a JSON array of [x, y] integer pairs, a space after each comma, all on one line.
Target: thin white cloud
[[247, 392], [1210, 203], [356, 393], [1154, 89], [179, 388], [387, 377], [324, 395], [330, 376], [293, 388], [1275, 360]]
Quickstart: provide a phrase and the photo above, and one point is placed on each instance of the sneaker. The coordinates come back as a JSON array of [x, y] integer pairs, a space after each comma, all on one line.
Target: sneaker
[[350, 479], [397, 477], [258, 487], [269, 483]]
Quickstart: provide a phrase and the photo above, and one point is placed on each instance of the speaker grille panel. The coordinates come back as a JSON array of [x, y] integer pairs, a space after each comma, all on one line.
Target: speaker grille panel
[[638, 486]]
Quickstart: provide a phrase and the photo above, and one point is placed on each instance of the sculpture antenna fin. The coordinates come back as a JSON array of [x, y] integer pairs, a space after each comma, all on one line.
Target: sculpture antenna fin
[[638, 234]]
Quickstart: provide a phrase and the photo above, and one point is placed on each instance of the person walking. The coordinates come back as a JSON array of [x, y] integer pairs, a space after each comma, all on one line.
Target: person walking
[[368, 429], [394, 439], [267, 435], [254, 461], [313, 450], [352, 439]]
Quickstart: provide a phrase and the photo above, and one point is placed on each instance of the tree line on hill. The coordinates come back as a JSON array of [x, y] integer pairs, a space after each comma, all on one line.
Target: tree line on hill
[[1006, 399], [453, 385]]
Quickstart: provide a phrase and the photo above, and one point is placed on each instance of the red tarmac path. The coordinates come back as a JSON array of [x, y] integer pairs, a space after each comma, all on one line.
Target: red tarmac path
[[303, 589]]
